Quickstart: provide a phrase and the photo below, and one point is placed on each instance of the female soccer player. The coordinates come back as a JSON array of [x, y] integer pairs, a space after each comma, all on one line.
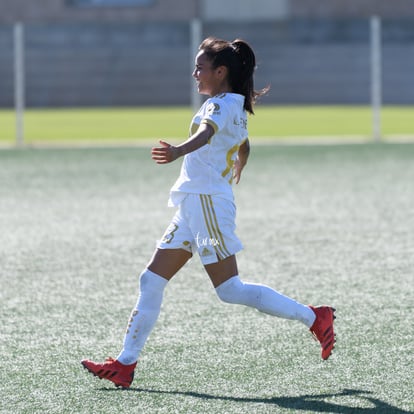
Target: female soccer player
[[214, 155]]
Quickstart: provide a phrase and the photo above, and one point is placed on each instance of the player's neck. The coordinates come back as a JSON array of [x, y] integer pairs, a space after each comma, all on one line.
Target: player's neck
[[223, 88]]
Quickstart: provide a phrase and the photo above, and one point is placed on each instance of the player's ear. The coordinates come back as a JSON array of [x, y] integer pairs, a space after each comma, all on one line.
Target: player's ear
[[221, 72]]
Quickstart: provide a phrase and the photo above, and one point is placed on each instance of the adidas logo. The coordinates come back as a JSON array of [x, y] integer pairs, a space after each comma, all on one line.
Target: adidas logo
[[205, 252]]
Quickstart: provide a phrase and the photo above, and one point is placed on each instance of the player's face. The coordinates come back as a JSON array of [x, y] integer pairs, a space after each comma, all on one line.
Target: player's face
[[209, 80]]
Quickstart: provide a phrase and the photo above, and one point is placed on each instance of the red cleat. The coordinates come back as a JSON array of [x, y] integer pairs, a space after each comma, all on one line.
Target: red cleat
[[323, 329], [112, 370]]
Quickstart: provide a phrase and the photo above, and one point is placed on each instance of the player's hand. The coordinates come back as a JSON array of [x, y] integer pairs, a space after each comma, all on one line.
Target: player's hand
[[241, 160], [237, 170], [165, 153]]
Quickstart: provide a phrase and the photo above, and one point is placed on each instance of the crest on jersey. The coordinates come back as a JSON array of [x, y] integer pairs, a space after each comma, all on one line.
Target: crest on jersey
[[213, 109]]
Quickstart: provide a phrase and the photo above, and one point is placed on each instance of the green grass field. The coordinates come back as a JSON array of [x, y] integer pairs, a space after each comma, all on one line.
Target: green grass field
[[131, 124], [324, 224]]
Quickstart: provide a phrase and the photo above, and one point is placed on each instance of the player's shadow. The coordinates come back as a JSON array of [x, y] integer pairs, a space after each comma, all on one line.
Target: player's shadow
[[307, 402]]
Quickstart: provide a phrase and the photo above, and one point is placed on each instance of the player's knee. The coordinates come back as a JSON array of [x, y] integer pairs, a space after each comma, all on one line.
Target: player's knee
[[145, 280], [151, 282], [231, 291]]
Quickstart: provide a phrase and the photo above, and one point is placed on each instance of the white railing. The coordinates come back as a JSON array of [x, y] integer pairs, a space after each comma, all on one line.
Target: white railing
[[19, 82], [376, 77]]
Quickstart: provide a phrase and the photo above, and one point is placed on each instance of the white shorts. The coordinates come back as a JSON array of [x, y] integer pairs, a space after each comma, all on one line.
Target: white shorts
[[206, 224]]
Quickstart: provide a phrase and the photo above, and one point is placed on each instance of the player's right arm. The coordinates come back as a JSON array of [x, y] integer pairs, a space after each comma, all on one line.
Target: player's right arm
[[168, 153]]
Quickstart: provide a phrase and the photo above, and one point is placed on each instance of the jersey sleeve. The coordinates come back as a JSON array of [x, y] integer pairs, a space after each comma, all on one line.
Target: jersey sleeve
[[215, 114]]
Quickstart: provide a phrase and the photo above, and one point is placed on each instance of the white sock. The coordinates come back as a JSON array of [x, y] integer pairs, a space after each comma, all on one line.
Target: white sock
[[143, 316], [265, 300]]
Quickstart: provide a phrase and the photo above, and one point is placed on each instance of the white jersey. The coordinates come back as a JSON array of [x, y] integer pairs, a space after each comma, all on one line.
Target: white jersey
[[209, 170]]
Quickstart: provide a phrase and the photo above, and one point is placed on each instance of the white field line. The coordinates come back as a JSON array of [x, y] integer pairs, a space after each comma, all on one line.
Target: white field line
[[148, 143]]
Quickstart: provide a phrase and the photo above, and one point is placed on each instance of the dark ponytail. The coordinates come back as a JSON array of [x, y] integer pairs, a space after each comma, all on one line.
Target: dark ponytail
[[240, 60]]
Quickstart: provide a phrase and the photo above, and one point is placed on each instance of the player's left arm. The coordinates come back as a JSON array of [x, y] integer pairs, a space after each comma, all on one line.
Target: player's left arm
[[241, 160], [168, 153]]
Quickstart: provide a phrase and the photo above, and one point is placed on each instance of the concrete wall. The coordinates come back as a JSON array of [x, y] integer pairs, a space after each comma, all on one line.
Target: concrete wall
[[184, 10], [245, 10], [101, 64], [304, 61], [65, 11], [342, 9]]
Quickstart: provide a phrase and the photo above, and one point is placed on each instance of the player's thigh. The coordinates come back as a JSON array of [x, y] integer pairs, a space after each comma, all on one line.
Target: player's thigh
[[222, 270], [167, 262]]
